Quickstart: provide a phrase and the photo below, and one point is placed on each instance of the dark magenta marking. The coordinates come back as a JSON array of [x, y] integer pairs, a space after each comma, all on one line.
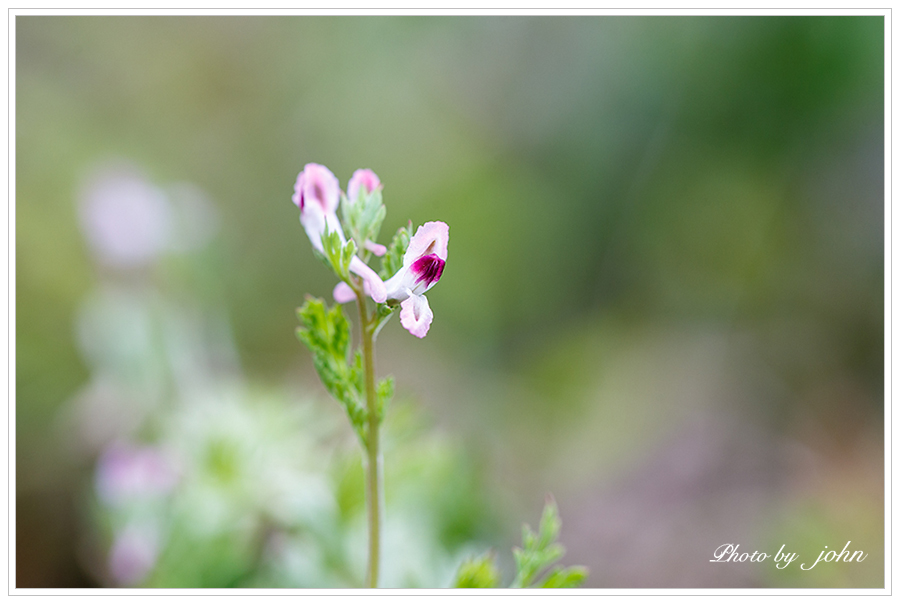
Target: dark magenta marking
[[428, 269]]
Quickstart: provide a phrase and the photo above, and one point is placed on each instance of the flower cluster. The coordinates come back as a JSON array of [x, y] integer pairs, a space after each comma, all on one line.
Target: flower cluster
[[318, 194]]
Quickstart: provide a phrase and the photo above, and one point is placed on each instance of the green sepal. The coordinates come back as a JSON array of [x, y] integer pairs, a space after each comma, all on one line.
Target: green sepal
[[383, 314], [338, 254], [393, 258], [363, 216], [326, 332], [478, 572]]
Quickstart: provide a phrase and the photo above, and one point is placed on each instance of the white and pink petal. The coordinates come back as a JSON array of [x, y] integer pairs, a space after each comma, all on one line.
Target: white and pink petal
[[376, 248], [430, 238], [317, 189], [372, 283], [416, 315], [343, 293]]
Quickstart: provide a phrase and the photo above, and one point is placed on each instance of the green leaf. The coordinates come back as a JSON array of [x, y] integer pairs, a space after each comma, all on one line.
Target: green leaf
[[393, 258], [326, 332], [478, 572], [565, 577], [550, 523], [385, 392], [540, 551]]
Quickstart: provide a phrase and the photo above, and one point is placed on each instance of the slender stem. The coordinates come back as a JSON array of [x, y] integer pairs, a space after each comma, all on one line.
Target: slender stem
[[373, 484]]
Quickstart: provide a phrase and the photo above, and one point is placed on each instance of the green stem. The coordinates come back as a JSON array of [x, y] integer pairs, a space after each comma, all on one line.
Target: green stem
[[373, 484]]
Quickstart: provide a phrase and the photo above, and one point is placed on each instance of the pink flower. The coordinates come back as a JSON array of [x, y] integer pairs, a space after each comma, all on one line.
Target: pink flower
[[423, 265], [317, 193]]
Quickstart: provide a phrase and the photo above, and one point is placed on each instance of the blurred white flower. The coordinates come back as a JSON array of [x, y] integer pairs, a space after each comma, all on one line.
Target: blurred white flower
[[127, 221], [247, 457], [133, 554], [126, 473]]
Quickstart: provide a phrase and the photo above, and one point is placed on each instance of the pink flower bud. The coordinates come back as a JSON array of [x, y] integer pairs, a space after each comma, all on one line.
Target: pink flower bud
[[362, 180], [318, 186], [317, 193]]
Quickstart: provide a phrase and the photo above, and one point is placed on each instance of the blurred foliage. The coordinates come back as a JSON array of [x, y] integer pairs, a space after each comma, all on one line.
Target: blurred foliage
[[260, 502], [480, 572], [653, 217], [540, 550], [538, 553]]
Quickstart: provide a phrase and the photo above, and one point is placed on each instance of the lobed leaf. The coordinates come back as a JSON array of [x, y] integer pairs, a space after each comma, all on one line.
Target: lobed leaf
[[478, 572], [540, 551], [572, 576], [385, 392], [326, 332]]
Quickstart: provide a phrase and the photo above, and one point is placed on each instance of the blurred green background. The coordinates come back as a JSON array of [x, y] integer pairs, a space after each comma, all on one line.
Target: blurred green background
[[663, 301]]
